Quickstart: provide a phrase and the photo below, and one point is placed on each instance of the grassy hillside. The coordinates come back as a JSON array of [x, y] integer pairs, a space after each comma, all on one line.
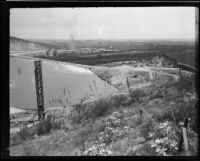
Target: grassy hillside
[[144, 122]]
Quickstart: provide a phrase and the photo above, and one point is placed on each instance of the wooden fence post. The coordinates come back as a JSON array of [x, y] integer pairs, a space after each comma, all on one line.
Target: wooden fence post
[[180, 74], [141, 115], [184, 138]]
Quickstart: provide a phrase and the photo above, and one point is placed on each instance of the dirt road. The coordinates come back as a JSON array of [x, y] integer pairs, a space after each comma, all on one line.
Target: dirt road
[[137, 77]]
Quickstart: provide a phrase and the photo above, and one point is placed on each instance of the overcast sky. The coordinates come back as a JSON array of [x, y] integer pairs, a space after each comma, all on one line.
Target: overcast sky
[[103, 23]]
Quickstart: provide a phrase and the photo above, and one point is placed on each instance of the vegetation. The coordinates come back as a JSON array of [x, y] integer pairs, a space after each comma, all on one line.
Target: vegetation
[[101, 107], [183, 52], [99, 59], [142, 122], [53, 122]]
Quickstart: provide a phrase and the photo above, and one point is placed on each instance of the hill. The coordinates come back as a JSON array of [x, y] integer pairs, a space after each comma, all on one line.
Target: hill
[[17, 44], [142, 121]]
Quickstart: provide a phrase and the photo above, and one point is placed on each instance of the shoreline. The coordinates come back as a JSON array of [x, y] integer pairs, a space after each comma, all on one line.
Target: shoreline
[[53, 61], [14, 110], [71, 66], [99, 71]]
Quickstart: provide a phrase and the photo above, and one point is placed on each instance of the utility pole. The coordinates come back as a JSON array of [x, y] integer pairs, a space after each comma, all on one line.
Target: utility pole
[[39, 89]]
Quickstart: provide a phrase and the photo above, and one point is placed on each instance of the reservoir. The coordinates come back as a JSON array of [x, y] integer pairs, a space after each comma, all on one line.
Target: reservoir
[[64, 84]]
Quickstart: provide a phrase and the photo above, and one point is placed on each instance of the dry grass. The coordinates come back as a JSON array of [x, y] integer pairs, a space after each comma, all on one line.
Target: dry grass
[[97, 109], [88, 120]]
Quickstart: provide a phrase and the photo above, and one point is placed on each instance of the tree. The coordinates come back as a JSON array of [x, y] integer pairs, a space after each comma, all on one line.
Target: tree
[[55, 52], [47, 52]]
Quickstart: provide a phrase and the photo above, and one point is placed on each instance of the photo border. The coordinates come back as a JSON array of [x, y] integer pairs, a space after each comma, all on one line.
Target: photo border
[[6, 6]]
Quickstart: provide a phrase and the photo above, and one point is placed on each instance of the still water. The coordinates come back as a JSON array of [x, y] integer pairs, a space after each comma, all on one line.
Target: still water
[[63, 84]]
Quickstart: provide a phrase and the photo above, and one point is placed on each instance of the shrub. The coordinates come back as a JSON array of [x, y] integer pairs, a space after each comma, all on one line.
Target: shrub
[[177, 110], [165, 138], [111, 132], [29, 149], [185, 107], [101, 107], [95, 109], [23, 134], [52, 122], [193, 142], [185, 84], [45, 126], [146, 126], [82, 135], [137, 96], [161, 114], [97, 150], [26, 133], [146, 150], [121, 99], [15, 140]]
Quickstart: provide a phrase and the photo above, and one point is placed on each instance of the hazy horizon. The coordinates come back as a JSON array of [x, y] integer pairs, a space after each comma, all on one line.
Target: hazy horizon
[[186, 39], [106, 23]]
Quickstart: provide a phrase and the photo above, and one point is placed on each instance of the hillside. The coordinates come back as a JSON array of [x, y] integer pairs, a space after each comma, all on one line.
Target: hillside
[[17, 44], [134, 122], [142, 123]]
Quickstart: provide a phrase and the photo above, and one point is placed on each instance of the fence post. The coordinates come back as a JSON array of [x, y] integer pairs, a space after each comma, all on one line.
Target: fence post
[[141, 116], [180, 74], [184, 138]]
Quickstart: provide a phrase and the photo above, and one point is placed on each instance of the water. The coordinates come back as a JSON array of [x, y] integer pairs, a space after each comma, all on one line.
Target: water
[[62, 84]]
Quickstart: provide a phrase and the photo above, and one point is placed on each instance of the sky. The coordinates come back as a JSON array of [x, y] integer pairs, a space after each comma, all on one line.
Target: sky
[[103, 23]]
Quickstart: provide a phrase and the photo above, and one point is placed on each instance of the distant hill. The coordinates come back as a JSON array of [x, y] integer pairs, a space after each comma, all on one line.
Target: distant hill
[[17, 44]]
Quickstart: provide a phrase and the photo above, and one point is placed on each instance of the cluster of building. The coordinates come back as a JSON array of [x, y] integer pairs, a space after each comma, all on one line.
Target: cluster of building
[[91, 50], [51, 52], [55, 52]]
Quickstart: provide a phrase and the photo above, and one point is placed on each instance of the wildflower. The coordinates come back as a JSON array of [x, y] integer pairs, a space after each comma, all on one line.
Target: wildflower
[[151, 134], [164, 142]]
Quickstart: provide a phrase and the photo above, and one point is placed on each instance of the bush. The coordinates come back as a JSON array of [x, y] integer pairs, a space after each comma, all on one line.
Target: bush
[[15, 140], [52, 122], [185, 84], [161, 114], [95, 109], [45, 126], [100, 108], [185, 107], [82, 135], [165, 138], [97, 150], [177, 109], [137, 96], [24, 134], [146, 150], [29, 149], [146, 126]]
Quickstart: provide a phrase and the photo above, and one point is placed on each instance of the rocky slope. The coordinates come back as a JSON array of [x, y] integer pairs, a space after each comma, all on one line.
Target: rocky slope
[[163, 61]]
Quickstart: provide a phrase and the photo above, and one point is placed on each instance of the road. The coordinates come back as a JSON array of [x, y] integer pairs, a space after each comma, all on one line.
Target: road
[[138, 77]]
